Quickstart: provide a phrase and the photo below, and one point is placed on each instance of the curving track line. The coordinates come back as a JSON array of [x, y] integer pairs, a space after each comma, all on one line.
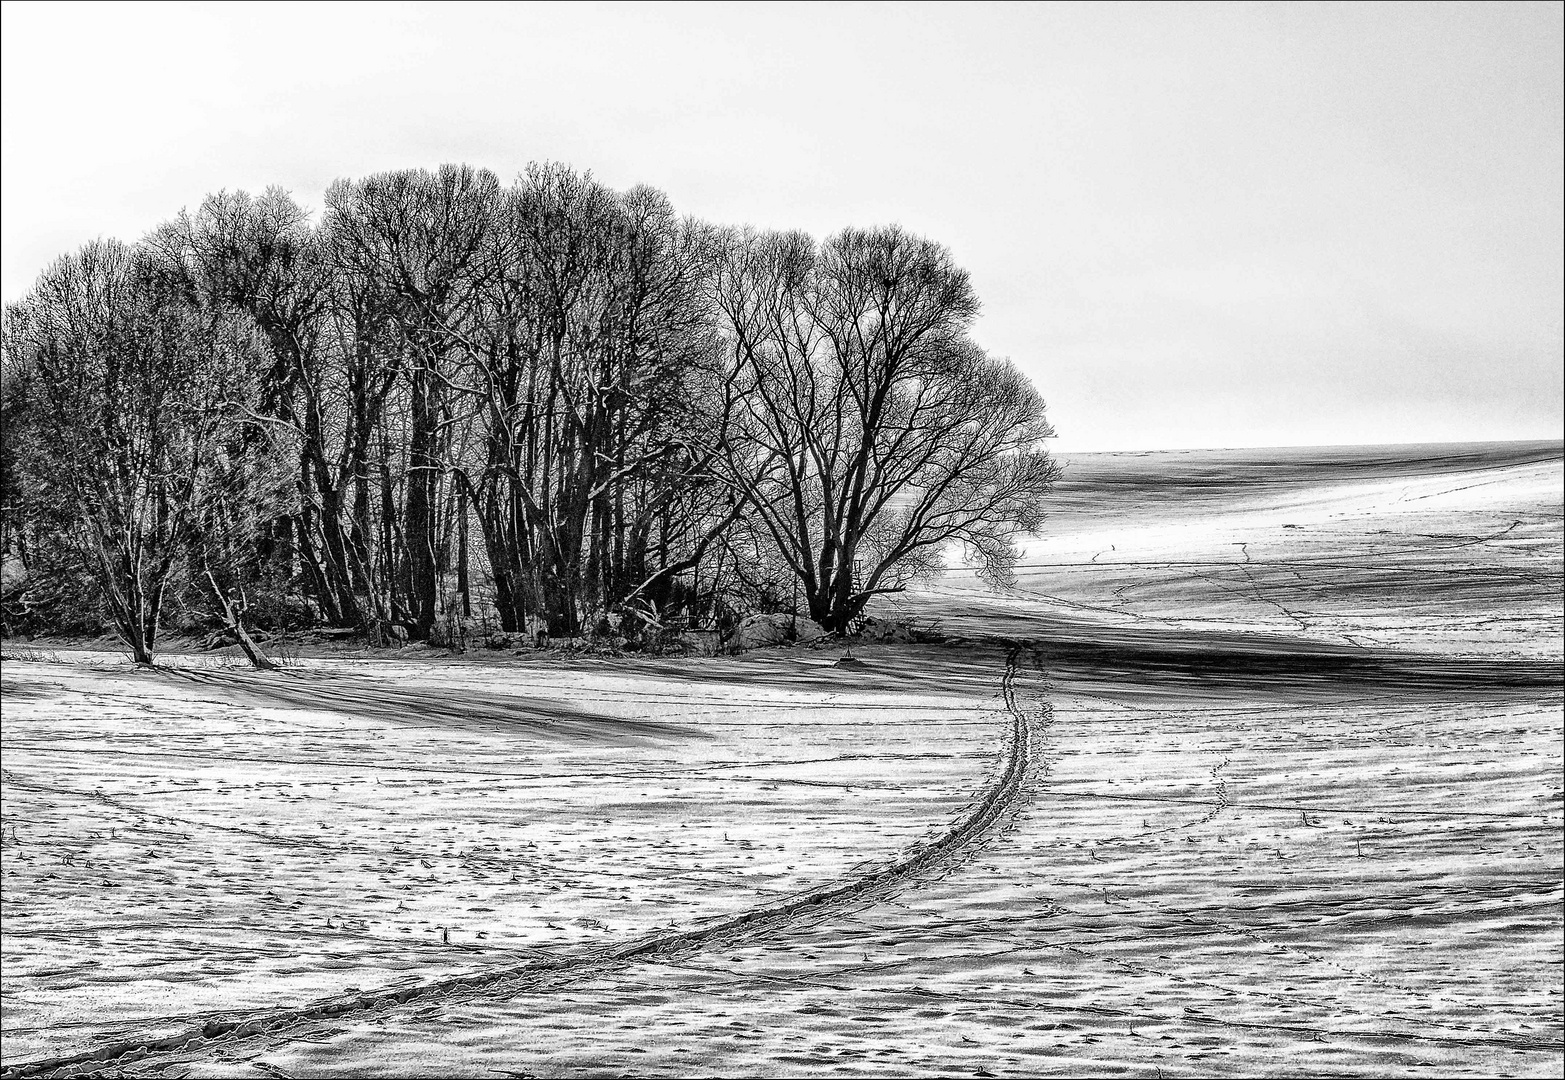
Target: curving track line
[[1026, 722]]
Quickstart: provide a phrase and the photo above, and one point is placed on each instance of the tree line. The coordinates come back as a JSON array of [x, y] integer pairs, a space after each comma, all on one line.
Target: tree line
[[553, 406]]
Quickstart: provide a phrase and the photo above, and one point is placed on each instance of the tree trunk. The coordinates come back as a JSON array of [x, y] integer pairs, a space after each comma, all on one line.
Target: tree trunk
[[234, 617], [462, 586], [422, 487]]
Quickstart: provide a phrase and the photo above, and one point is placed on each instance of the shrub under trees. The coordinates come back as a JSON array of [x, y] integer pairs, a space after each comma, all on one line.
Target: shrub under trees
[[544, 404]]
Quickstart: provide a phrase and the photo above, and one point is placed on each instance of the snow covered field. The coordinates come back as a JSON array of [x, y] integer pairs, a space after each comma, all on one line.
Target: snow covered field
[[1271, 787]]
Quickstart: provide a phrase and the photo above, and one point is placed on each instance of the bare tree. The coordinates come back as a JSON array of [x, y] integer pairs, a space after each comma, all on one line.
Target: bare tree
[[260, 258], [420, 240], [632, 411], [875, 432], [134, 386], [249, 486], [592, 494]]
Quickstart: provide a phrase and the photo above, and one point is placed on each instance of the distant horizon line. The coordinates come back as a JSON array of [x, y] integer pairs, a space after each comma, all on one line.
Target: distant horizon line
[[1557, 441]]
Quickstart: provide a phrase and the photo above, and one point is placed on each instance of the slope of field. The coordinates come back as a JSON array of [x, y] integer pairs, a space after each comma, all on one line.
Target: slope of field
[[1300, 815], [191, 841], [1456, 548]]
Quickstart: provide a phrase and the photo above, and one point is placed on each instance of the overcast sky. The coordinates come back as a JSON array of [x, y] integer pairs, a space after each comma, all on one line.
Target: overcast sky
[[1211, 225]]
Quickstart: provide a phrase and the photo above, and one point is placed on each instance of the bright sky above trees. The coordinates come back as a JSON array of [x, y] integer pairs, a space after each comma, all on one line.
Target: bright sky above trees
[[1192, 225]]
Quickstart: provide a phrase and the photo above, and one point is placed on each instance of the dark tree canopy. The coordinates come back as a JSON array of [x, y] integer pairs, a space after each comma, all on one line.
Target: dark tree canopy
[[551, 405], [128, 410]]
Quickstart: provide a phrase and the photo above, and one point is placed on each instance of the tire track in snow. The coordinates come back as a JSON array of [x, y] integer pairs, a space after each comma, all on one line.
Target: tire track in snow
[[1026, 721]]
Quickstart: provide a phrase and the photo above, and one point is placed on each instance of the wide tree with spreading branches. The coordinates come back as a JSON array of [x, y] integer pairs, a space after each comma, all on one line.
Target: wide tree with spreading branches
[[133, 393], [873, 432]]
